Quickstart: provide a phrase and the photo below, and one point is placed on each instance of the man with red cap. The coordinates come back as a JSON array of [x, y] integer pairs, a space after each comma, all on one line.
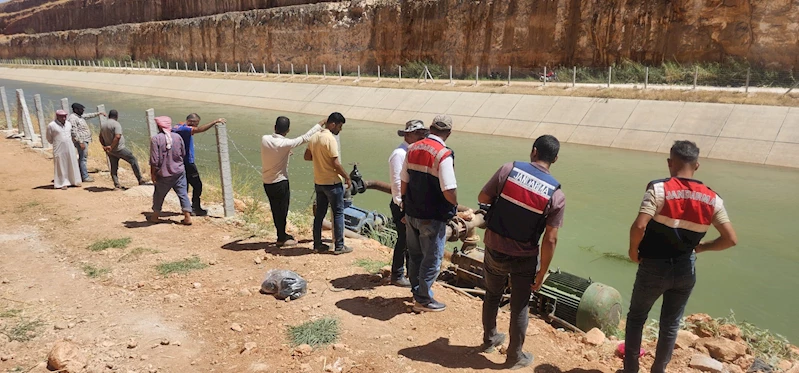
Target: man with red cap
[[167, 169], [65, 159]]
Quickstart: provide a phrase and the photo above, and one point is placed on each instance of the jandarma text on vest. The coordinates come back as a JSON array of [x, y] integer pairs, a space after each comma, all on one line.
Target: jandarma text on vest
[[531, 182], [689, 194]]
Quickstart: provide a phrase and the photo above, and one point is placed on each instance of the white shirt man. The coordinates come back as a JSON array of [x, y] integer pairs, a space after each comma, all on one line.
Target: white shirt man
[[275, 152]]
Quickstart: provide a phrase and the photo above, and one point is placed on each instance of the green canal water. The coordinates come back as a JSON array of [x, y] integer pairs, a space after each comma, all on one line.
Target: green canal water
[[757, 280]]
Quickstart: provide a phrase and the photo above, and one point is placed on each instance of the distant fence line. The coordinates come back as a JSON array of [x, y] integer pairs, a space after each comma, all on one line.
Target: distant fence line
[[736, 77]]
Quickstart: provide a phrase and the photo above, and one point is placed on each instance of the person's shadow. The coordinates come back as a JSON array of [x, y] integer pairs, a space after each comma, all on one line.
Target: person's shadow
[[358, 281], [442, 353], [268, 247], [377, 308], [549, 368]]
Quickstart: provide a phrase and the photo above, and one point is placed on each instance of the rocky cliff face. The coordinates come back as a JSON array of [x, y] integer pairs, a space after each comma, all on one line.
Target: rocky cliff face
[[522, 33]]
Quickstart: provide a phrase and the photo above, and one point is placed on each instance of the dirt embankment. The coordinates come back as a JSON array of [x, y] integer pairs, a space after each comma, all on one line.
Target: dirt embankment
[[526, 34], [114, 302]]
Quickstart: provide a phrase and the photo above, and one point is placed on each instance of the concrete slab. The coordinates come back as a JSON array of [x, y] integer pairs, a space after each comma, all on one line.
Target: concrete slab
[[356, 112], [415, 100], [532, 108], [741, 150], [654, 116], [467, 103], [784, 154], [458, 121], [378, 115], [371, 97], [561, 131], [790, 127], [597, 136], [638, 140], [393, 99], [755, 122], [330, 94], [317, 89], [322, 109], [498, 106], [569, 110], [705, 143], [439, 102], [609, 113], [402, 116], [481, 125], [702, 119], [515, 128], [297, 91]]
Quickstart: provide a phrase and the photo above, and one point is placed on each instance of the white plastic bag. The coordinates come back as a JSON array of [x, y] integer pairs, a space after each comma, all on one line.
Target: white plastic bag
[[284, 284]]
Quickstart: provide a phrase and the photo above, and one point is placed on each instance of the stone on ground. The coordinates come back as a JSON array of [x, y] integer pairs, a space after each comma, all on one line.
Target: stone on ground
[[706, 364], [66, 357], [594, 337], [685, 339], [723, 349]]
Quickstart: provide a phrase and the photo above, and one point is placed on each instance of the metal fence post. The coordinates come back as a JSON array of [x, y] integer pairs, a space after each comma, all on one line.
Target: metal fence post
[[6, 108], [646, 77], [224, 169], [509, 76], [195, 66], [292, 69], [185, 66], [545, 76], [264, 67], [476, 75], [238, 68], [205, 66], [748, 75], [24, 116], [225, 67], [37, 101], [378, 73], [152, 128], [306, 70], [574, 76], [400, 73], [216, 67], [65, 104], [324, 71], [359, 74], [451, 82], [278, 69], [339, 72], [696, 75], [610, 74]]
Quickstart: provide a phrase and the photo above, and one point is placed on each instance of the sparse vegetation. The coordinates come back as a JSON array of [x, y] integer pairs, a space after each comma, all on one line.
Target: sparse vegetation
[[136, 253], [180, 266], [414, 70], [94, 272], [29, 205], [315, 333], [119, 243], [22, 330], [386, 235], [11, 312], [371, 266]]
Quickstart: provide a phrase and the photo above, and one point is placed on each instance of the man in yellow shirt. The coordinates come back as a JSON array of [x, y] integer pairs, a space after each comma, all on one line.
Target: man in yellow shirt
[[328, 174]]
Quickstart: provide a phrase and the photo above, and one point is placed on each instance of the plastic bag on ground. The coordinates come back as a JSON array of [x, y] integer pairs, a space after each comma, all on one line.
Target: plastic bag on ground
[[284, 284]]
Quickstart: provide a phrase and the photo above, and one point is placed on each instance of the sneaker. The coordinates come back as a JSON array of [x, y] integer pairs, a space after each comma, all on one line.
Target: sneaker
[[522, 361], [142, 182], [402, 282], [342, 250], [117, 186], [88, 180], [199, 212], [322, 248], [497, 341], [433, 306], [287, 242]]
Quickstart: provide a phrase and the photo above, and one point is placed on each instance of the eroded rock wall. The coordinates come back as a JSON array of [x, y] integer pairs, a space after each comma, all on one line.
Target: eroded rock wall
[[521, 33]]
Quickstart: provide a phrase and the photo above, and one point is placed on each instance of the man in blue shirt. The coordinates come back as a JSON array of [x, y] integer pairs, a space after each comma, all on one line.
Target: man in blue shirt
[[186, 131]]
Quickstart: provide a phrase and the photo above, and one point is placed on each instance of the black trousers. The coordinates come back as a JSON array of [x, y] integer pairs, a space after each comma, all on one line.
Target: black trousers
[[127, 155], [400, 250], [279, 195], [193, 178]]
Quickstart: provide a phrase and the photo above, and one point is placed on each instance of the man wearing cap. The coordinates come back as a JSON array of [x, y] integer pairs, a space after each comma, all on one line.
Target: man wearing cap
[[429, 201], [414, 131], [275, 152], [81, 137], [65, 160]]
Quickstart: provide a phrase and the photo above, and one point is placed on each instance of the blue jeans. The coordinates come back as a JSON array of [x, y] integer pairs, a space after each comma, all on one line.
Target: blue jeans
[[674, 279], [333, 196], [82, 155], [425, 242], [176, 183], [497, 267]]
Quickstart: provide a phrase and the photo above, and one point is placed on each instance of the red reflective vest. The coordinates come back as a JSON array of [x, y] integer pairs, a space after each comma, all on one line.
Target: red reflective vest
[[685, 209], [423, 198]]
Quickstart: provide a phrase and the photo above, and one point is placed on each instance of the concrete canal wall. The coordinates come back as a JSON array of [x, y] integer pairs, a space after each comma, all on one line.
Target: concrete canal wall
[[757, 134]]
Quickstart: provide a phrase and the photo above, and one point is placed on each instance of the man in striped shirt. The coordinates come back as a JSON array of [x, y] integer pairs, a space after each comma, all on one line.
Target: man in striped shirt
[[81, 137], [674, 217]]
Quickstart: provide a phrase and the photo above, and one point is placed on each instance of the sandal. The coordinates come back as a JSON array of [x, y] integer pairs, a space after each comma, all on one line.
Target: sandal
[[184, 222]]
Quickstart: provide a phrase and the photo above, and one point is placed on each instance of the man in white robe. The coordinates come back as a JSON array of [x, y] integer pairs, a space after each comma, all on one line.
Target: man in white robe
[[65, 158]]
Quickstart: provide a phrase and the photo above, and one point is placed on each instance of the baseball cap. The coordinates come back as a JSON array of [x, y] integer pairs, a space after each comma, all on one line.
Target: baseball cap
[[77, 106], [411, 126], [442, 122]]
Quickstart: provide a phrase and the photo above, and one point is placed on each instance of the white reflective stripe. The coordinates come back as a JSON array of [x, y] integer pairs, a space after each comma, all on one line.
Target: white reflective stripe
[[682, 224], [517, 203], [425, 169], [660, 196], [440, 156]]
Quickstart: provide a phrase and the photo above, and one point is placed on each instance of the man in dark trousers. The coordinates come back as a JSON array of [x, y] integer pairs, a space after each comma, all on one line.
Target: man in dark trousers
[[186, 131], [114, 145], [674, 217], [526, 203]]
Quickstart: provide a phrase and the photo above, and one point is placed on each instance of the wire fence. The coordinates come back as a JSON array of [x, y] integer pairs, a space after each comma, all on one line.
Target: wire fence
[[731, 75]]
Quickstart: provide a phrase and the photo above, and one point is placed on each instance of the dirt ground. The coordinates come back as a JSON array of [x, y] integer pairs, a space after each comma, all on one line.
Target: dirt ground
[[131, 319]]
